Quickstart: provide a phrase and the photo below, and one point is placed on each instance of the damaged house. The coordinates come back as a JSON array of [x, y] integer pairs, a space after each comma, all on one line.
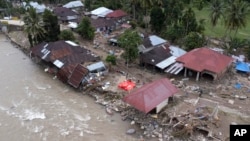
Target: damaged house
[[65, 59], [151, 97], [151, 42], [65, 15], [153, 57], [161, 58], [204, 62]]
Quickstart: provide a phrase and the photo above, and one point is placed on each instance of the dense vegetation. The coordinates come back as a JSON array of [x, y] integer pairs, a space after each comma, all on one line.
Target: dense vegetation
[[179, 21]]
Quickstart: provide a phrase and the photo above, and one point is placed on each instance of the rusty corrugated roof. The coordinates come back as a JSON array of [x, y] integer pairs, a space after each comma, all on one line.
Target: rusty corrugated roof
[[68, 53], [116, 14], [102, 22], [201, 59], [150, 95], [77, 75], [63, 12]]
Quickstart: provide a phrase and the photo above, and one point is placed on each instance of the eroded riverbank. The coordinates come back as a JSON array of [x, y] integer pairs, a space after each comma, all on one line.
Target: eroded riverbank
[[34, 106]]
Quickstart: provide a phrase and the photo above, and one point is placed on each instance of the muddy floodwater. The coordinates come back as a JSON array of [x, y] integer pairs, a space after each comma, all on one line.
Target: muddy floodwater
[[36, 107]]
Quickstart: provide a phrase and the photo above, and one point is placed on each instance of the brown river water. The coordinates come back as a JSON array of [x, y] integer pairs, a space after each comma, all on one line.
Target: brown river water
[[35, 107]]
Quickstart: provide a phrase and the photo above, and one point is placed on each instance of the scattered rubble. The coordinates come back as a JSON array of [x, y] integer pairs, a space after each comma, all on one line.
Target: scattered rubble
[[190, 116]]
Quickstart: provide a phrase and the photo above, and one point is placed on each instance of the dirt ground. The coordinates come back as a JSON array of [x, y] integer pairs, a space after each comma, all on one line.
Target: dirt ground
[[221, 93], [232, 103]]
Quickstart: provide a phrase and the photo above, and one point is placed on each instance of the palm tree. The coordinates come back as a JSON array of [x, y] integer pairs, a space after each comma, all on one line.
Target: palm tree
[[146, 5], [33, 26], [216, 11], [236, 15], [134, 3]]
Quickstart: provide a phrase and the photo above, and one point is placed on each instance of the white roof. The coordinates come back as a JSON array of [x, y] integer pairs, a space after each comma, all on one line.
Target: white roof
[[13, 22], [72, 25], [175, 68], [73, 4], [165, 63], [95, 66], [101, 11], [39, 7], [155, 40], [71, 17], [58, 63], [71, 43], [176, 51]]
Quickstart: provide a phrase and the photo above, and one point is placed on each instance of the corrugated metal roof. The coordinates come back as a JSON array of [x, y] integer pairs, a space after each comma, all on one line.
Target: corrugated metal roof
[[58, 63], [13, 22], [95, 66], [157, 54], [150, 95], [63, 12], [65, 52], [175, 68], [77, 75], [74, 4], [102, 22], [116, 14], [201, 59], [156, 40], [39, 7], [101, 11], [165, 63], [176, 51]]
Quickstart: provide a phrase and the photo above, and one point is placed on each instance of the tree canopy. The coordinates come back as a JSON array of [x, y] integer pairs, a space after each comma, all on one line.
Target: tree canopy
[[130, 40], [85, 29], [33, 26], [67, 35], [51, 26]]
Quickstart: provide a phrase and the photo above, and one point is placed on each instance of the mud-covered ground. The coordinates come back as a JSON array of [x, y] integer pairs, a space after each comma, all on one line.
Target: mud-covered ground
[[188, 116]]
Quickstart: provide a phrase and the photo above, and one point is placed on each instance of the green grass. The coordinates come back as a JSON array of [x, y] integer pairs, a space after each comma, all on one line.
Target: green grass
[[219, 30]]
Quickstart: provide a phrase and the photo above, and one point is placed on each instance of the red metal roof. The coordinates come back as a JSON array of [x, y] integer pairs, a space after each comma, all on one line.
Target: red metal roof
[[77, 75], [116, 14], [201, 59], [150, 95]]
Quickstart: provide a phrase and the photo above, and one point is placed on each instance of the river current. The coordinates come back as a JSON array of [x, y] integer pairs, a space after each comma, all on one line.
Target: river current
[[36, 107]]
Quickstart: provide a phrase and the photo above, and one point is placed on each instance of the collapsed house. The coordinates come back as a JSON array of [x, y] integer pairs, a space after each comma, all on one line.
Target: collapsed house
[[65, 59], [151, 96]]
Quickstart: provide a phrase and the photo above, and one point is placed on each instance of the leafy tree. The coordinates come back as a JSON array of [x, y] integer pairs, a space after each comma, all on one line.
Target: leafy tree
[[51, 26], [173, 33], [111, 59], [173, 11], [189, 22], [130, 40], [236, 15], [233, 44], [33, 26], [146, 5], [157, 19], [67, 35], [85, 29], [88, 4], [199, 4], [216, 11], [134, 4], [194, 40]]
